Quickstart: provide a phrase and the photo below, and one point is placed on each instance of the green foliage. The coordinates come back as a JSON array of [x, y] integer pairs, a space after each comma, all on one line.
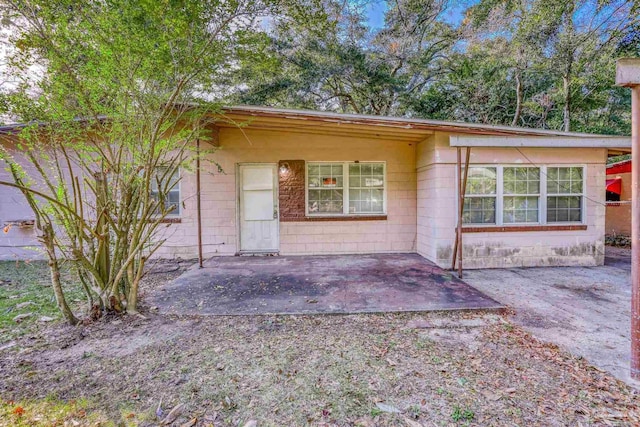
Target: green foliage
[[535, 63], [124, 90], [51, 411], [460, 414], [25, 288]]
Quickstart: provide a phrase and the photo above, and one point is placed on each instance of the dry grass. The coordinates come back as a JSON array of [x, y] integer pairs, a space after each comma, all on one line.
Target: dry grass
[[333, 370], [435, 369]]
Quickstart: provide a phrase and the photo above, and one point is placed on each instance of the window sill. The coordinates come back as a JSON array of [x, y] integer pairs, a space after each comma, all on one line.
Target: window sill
[[336, 218], [173, 220], [523, 228], [620, 203]]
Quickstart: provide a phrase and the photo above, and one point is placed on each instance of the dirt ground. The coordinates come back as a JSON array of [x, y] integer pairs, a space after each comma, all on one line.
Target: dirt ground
[[433, 369]]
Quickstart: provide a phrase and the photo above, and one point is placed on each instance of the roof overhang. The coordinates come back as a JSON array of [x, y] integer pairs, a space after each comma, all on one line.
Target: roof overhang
[[257, 116], [397, 128], [615, 145]]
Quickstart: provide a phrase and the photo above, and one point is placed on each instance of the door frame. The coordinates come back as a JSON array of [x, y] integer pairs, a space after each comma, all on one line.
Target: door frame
[[276, 201]]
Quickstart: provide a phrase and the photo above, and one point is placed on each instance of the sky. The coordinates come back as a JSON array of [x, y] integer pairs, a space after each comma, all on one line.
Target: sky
[[375, 13], [376, 8]]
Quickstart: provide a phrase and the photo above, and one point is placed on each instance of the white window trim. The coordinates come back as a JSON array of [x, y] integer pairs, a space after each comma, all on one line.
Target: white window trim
[[345, 189], [177, 213], [542, 205]]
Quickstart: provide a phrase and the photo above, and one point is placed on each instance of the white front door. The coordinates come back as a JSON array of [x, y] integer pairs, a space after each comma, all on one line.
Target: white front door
[[258, 208]]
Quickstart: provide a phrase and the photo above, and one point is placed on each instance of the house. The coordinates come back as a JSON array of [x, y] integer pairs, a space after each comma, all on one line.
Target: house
[[618, 216], [298, 182]]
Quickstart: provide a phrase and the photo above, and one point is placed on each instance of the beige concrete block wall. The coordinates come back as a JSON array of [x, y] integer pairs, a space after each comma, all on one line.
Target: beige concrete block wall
[[427, 205], [16, 243], [514, 249], [396, 234]]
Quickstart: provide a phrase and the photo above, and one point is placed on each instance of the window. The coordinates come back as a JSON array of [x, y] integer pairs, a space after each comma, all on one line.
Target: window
[[521, 190], [502, 195], [366, 188], [480, 199], [564, 194], [612, 197], [326, 188], [345, 188], [172, 187]]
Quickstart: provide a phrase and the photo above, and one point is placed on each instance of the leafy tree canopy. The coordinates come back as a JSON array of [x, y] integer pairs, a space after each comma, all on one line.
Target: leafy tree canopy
[[540, 63]]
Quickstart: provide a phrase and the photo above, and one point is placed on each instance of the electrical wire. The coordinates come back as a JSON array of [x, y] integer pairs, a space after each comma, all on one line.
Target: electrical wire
[[559, 184]]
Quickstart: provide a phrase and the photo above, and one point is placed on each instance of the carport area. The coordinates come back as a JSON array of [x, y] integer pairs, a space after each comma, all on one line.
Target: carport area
[[585, 310], [318, 284]]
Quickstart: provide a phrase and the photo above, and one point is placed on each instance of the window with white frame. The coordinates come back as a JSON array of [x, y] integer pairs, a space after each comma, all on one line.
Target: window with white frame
[[172, 186], [564, 194], [521, 195], [499, 195], [480, 198], [346, 188]]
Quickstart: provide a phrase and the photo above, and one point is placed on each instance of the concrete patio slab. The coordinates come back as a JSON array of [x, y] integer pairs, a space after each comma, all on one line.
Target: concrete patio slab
[[318, 284], [585, 310]]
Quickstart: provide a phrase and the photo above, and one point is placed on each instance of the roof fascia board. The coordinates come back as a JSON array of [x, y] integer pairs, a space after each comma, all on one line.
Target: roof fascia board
[[540, 142]]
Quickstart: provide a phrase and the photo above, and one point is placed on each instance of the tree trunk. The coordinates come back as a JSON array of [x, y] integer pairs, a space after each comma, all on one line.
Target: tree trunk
[[132, 299], [102, 227], [567, 101], [518, 112], [54, 268]]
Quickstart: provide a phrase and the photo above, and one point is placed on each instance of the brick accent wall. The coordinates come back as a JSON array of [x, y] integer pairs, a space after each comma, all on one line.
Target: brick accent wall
[[291, 190]]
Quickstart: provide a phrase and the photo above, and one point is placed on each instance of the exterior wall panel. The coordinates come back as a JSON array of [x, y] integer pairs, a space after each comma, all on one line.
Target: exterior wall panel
[[517, 249], [421, 203], [395, 234]]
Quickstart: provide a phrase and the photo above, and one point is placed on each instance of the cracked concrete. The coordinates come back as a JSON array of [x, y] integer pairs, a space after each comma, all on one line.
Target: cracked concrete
[[585, 310]]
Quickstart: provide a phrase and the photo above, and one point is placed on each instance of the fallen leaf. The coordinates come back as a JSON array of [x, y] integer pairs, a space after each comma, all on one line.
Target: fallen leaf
[[388, 408], [8, 345], [45, 319], [251, 423], [364, 422], [190, 423], [411, 423], [491, 396], [24, 304], [173, 414], [20, 317]]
